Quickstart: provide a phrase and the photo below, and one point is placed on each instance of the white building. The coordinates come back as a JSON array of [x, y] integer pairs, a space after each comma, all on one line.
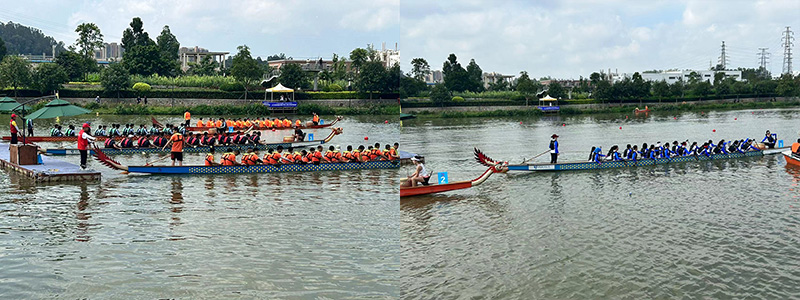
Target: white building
[[674, 76], [389, 57], [434, 77], [489, 78]]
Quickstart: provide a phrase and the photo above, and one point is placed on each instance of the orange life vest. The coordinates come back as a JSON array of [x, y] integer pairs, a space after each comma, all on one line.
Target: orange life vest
[[209, 159], [287, 123], [209, 123], [200, 123]]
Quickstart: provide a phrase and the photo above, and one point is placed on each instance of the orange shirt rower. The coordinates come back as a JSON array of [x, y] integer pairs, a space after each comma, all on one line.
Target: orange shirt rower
[[200, 123], [209, 123], [298, 123], [218, 123]]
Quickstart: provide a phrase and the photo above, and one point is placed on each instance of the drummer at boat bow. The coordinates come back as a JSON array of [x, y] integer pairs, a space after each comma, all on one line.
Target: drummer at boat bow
[[770, 139]]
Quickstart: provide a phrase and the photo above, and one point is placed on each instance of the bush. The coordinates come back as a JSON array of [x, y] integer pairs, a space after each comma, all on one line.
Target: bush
[[458, 99], [518, 98], [332, 88], [141, 87], [232, 87]]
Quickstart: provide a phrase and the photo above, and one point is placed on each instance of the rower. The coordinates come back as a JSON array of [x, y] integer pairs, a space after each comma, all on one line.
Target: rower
[[332, 155], [100, 131], [209, 161], [110, 144], [634, 154], [315, 118], [287, 123], [303, 159], [391, 153], [298, 123], [796, 148], [126, 142], [613, 154], [55, 131], [144, 141], [256, 138], [209, 123], [200, 123], [376, 152], [554, 149], [770, 139], [627, 152], [275, 158], [598, 155], [347, 155], [314, 156]]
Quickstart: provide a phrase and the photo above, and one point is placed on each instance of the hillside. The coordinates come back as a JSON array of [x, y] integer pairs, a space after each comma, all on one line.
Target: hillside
[[20, 39]]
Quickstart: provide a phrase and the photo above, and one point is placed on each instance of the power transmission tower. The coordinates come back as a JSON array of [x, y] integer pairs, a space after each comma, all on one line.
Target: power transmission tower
[[787, 50], [763, 60], [723, 59]]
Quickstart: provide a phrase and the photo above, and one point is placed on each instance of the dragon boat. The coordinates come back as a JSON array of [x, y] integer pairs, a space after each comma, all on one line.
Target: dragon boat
[[243, 169], [591, 165], [791, 158], [223, 129], [197, 149], [39, 139], [425, 189]]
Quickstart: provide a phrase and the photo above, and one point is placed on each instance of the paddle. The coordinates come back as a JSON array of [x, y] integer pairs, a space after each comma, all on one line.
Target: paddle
[[532, 158]]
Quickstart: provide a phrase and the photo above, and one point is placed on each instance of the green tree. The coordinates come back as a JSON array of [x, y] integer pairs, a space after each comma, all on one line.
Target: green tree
[[293, 76], [420, 68], [603, 91], [724, 87], [168, 46], [2, 49], [702, 89], [142, 60], [245, 69], [526, 86], [89, 39], [661, 89], [75, 65], [440, 94], [49, 77], [499, 84], [555, 90], [639, 87], [372, 78], [339, 68], [765, 87], [741, 88], [410, 87], [135, 35], [475, 76], [677, 89], [15, 72], [359, 57], [115, 78], [206, 67], [456, 78], [787, 86]]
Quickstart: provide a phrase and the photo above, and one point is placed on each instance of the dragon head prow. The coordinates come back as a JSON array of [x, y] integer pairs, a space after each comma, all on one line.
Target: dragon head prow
[[496, 166]]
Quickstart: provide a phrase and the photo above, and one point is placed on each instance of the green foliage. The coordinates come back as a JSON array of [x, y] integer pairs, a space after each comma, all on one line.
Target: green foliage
[[185, 81], [135, 35], [244, 68], [358, 57], [206, 67], [457, 99], [420, 68], [19, 39], [89, 39], [440, 94], [555, 90], [15, 72], [115, 78], [75, 65], [525, 86], [333, 87], [49, 77], [372, 78], [142, 60], [293, 77], [489, 95], [411, 87], [232, 87], [518, 98], [3, 50], [168, 46], [141, 88]]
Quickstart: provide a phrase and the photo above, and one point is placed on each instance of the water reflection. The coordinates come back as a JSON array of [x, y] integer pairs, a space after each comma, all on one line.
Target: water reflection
[[176, 202], [82, 216]]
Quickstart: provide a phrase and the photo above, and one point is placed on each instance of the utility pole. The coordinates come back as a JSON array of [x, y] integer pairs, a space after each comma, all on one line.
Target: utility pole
[[787, 50], [723, 59]]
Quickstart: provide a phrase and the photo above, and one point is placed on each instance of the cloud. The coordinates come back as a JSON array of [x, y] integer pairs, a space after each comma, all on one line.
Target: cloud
[[574, 38]]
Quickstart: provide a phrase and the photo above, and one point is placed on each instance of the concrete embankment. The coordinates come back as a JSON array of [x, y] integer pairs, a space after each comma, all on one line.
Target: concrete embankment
[[355, 103]]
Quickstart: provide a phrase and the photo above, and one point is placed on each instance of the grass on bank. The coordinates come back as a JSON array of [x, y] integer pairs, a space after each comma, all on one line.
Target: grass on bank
[[569, 111]]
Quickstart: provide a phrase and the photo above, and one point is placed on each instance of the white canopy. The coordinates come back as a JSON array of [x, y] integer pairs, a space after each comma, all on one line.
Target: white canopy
[[548, 98], [279, 89]]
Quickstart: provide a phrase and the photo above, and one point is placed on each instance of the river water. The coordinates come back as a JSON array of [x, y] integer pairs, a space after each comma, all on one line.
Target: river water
[[302, 235], [723, 229]]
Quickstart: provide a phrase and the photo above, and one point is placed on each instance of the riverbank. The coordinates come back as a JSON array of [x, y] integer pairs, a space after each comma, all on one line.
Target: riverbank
[[608, 108], [248, 109]]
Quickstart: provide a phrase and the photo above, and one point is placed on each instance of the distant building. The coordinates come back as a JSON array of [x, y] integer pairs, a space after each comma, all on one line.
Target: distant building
[[674, 76], [389, 57], [306, 64], [109, 51], [196, 54], [434, 77], [489, 78]]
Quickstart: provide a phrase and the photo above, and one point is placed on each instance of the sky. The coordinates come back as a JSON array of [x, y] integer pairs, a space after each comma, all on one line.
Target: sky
[[561, 39]]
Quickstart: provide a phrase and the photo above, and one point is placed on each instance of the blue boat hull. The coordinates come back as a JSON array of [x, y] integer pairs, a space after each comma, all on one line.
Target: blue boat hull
[[263, 168], [573, 166]]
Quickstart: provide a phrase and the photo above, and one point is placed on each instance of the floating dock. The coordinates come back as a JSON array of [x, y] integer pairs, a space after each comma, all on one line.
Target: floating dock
[[51, 169]]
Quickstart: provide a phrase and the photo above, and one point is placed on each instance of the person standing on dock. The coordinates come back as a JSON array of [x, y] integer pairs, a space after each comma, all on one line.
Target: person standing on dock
[[554, 149], [83, 142], [14, 129], [187, 117]]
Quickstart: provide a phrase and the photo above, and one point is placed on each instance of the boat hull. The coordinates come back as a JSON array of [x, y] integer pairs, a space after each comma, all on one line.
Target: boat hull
[[39, 139], [435, 188], [200, 149], [222, 129], [575, 166], [262, 168]]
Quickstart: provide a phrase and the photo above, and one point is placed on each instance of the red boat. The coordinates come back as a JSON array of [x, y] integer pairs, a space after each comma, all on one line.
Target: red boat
[[791, 159], [38, 139], [494, 167], [205, 128]]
